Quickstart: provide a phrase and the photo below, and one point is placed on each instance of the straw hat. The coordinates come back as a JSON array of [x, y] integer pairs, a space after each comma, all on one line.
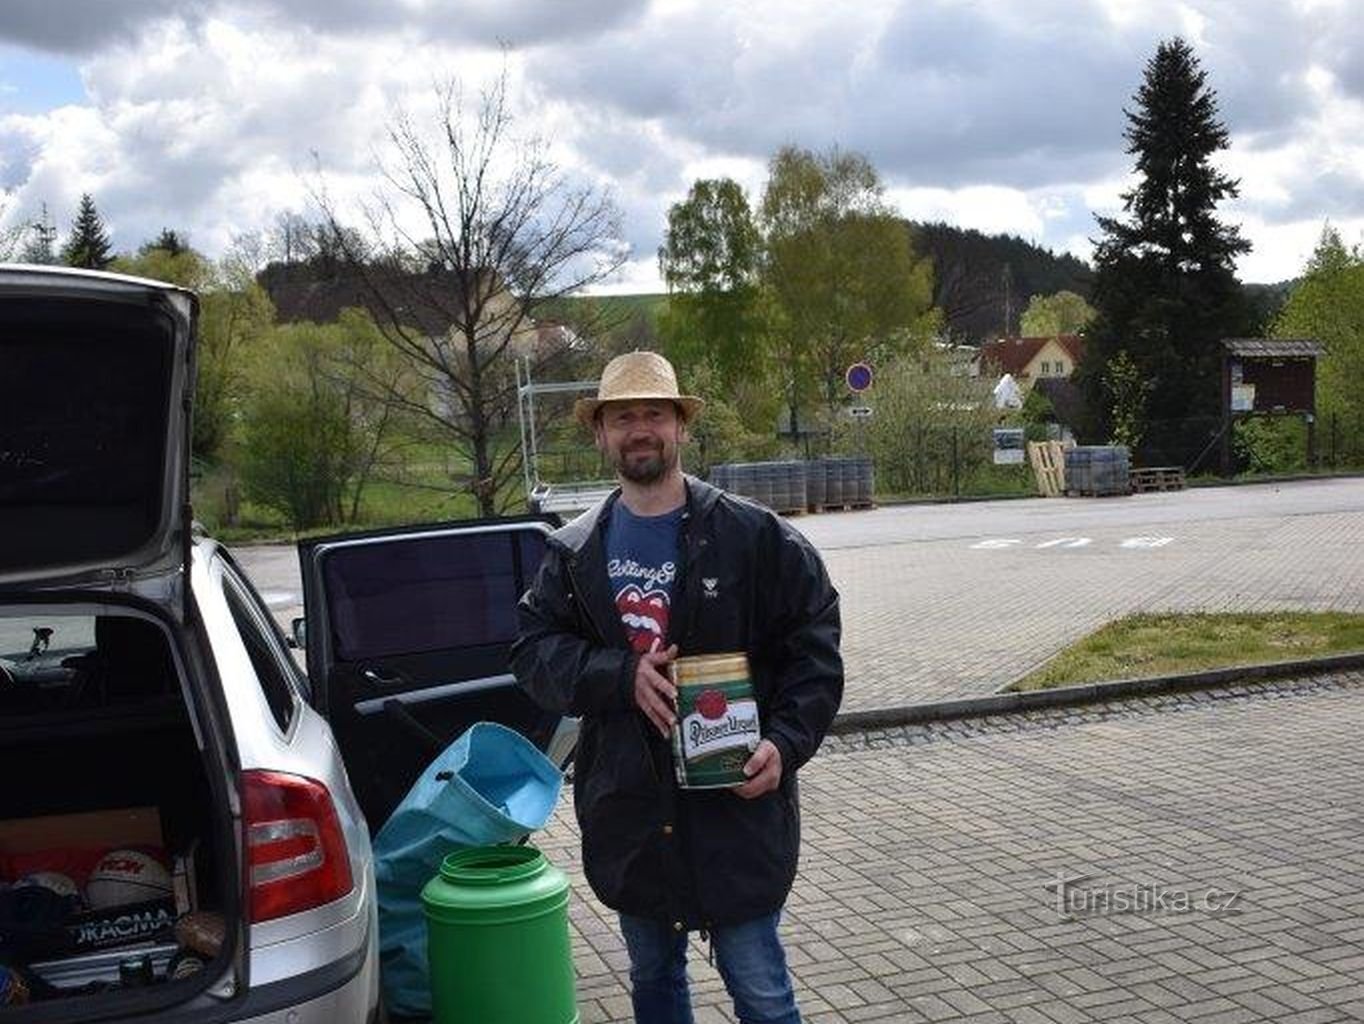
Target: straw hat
[[635, 377]]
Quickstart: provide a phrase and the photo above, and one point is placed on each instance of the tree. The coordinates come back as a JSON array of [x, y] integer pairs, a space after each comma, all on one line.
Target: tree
[[931, 431], [168, 241], [312, 437], [1048, 315], [1327, 304], [504, 233], [1127, 392], [88, 245], [1037, 414], [843, 276], [234, 312], [1165, 287], [232, 319], [968, 275], [710, 261], [185, 267]]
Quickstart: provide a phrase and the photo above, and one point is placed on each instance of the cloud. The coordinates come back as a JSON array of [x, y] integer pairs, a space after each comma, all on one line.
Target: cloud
[[205, 115], [83, 26], [86, 26], [185, 116]]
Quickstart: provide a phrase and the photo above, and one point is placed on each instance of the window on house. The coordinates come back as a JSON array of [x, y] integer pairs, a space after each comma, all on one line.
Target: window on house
[[1046, 367]]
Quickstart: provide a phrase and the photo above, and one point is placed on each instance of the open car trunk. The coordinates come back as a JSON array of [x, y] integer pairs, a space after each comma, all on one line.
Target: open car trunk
[[117, 850]]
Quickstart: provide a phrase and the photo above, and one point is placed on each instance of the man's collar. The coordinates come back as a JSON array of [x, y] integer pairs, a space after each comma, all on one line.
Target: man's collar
[[701, 498]]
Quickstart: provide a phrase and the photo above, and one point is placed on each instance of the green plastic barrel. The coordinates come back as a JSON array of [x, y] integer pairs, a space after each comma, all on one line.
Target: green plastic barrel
[[497, 939]]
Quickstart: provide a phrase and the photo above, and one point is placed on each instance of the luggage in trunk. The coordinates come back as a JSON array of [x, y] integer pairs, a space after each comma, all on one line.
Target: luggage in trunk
[[111, 868]]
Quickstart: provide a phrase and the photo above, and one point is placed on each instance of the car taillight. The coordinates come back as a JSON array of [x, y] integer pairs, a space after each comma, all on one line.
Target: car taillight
[[296, 855]]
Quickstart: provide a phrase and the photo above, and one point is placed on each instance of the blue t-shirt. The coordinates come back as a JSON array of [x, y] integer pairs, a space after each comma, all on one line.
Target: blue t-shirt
[[641, 567]]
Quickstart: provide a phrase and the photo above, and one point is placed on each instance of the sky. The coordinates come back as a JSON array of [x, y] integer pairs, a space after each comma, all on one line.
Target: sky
[[213, 117]]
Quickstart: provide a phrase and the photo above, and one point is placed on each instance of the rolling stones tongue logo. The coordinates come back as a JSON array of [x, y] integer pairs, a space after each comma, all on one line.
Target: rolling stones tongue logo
[[645, 615]]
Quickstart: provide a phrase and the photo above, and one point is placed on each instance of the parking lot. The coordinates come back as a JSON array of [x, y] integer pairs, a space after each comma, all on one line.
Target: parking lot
[[958, 599], [978, 872], [1187, 858]]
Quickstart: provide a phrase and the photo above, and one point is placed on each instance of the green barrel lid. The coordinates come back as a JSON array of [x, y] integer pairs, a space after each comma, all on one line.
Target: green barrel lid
[[494, 883]]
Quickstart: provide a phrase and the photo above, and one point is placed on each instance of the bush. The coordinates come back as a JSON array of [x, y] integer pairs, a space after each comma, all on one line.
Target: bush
[[737, 425], [298, 452], [1276, 444], [721, 435], [931, 428]]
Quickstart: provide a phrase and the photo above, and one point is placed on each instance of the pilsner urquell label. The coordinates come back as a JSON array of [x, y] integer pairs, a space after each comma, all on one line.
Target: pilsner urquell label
[[717, 720]]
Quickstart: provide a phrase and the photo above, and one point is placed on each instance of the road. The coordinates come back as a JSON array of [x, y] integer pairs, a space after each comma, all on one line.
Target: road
[[952, 600]]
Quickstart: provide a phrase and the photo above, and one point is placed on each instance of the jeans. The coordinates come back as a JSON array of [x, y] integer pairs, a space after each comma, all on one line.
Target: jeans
[[749, 956]]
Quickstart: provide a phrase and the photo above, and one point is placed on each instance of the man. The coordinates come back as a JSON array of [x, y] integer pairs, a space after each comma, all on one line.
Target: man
[[669, 565]]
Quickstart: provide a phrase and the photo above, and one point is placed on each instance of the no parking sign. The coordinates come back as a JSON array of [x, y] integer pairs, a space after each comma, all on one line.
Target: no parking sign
[[858, 377]]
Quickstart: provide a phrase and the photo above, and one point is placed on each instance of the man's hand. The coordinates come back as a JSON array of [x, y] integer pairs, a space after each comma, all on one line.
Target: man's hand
[[763, 770], [655, 694]]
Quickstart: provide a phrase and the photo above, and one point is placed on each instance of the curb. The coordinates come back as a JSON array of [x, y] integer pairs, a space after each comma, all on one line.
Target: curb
[[1290, 478], [1203, 483], [1084, 693]]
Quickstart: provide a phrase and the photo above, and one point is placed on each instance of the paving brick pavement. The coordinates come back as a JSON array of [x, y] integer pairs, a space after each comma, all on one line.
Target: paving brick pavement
[[924, 894], [940, 618]]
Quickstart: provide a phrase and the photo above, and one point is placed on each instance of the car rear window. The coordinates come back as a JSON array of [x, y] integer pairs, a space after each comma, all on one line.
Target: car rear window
[[429, 592], [74, 662], [82, 429]]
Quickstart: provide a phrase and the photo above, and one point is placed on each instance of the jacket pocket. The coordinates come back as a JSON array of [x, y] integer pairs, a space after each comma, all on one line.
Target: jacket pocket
[[621, 766]]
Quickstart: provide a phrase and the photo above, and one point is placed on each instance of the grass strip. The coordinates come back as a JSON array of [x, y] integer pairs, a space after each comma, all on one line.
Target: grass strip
[[1141, 646]]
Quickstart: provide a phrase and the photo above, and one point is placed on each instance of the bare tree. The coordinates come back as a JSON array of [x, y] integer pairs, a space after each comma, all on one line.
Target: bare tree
[[503, 235], [11, 238]]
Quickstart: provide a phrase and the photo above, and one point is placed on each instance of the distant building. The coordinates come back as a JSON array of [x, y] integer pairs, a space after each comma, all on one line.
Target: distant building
[[1029, 360], [960, 358]]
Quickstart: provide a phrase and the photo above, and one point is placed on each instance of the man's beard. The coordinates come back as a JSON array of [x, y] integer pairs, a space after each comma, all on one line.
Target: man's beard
[[646, 471]]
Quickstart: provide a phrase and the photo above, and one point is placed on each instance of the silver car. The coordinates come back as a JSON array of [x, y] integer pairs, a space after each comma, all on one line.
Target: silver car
[[179, 835]]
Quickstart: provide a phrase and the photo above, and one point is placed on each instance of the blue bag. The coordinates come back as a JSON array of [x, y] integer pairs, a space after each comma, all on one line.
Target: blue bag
[[490, 786]]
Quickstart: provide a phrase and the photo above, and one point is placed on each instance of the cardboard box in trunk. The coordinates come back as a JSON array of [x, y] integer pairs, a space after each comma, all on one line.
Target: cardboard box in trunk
[[130, 826]]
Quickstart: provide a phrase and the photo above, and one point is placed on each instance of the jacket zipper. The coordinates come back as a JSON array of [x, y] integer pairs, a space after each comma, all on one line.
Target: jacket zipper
[[601, 636], [582, 603]]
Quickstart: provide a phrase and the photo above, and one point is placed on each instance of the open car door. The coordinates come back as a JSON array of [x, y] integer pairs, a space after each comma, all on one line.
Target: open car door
[[408, 636]]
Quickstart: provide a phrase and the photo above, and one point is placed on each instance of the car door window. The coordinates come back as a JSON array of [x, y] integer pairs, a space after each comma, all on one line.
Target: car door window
[[411, 636], [264, 645], [435, 593]]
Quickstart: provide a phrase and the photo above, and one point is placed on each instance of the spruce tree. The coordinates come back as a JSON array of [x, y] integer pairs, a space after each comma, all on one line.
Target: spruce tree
[[88, 245], [169, 241], [1165, 286]]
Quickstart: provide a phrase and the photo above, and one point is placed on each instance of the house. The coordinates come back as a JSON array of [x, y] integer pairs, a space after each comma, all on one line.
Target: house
[[1029, 360]]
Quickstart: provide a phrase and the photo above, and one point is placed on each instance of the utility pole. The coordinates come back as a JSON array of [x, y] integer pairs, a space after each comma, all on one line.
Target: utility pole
[[42, 245], [1007, 278]]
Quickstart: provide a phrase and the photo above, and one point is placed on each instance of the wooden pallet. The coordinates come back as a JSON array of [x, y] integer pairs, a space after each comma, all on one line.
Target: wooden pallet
[[1048, 460], [1157, 478]]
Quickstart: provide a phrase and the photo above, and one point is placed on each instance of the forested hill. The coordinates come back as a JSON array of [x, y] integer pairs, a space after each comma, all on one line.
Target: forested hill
[[977, 277]]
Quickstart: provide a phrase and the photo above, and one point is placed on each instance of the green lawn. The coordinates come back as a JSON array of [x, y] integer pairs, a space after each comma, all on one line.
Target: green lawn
[[1140, 646], [417, 490]]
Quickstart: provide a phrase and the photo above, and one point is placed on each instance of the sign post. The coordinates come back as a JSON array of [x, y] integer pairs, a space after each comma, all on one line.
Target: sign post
[[858, 378]]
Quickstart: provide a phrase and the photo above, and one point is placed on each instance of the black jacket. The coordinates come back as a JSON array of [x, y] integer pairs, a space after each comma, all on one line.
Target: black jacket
[[747, 582]]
